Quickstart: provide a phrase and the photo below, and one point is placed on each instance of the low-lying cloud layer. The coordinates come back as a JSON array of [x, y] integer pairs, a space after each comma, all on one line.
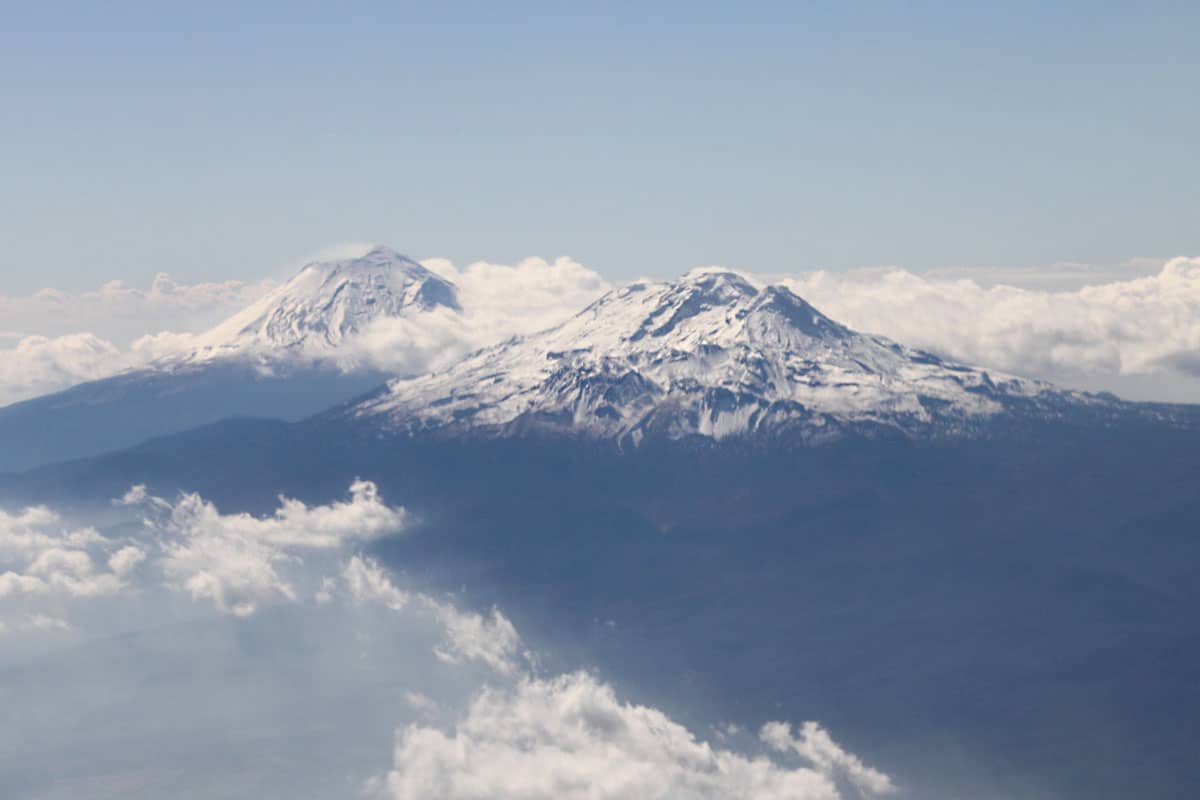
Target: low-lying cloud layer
[[184, 651], [1107, 335], [54, 339]]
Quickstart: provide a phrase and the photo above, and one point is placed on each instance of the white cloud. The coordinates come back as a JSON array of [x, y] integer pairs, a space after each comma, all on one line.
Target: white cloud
[[363, 517], [238, 573], [64, 338], [1057, 277], [1099, 334], [37, 364], [299, 700], [491, 640], [572, 738], [469, 636], [125, 561], [239, 561], [815, 745], [367, 582], [37, 528], [413, 345], [41, 555], [498, 301], [529, 296]]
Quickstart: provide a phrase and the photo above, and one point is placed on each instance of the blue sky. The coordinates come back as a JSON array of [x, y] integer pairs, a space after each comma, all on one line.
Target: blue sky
[[216, 141]]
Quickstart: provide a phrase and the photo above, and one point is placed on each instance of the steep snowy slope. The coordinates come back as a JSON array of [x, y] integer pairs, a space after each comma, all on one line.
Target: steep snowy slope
[[325, 306], [711, 354]]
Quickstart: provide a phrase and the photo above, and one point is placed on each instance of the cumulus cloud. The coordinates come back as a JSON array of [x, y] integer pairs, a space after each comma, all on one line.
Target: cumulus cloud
[[363, 517], [38, 364], [525, 297], [297, 696], [135, 693], [571, 738], [412, 345], [239, 561], [1097, 333], [42, 556], [498, 301]]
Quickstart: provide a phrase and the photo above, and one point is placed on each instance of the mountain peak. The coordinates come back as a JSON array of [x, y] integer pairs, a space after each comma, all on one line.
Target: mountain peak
[[719, 279], [710, 354], [328, 302]]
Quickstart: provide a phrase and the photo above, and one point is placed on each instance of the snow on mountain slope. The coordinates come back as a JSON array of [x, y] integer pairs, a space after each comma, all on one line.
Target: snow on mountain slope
[[712, 355], [326, 306]]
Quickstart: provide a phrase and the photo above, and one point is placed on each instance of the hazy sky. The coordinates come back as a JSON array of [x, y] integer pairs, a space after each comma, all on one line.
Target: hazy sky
[[212, 140]]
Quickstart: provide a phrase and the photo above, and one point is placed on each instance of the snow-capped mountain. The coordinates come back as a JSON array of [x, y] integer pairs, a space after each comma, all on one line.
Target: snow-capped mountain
[[288, 356], [326, 305], [712, 354]]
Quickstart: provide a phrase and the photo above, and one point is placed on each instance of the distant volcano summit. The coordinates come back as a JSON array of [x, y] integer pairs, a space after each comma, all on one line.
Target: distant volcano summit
[[287, 356], [327, 304]]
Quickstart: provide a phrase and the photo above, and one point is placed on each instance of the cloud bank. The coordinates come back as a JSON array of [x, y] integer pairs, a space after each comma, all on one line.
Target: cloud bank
[[571, 738], [54, 339], [38, 364], [179, 649], [1109, 335], [43, 557]]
